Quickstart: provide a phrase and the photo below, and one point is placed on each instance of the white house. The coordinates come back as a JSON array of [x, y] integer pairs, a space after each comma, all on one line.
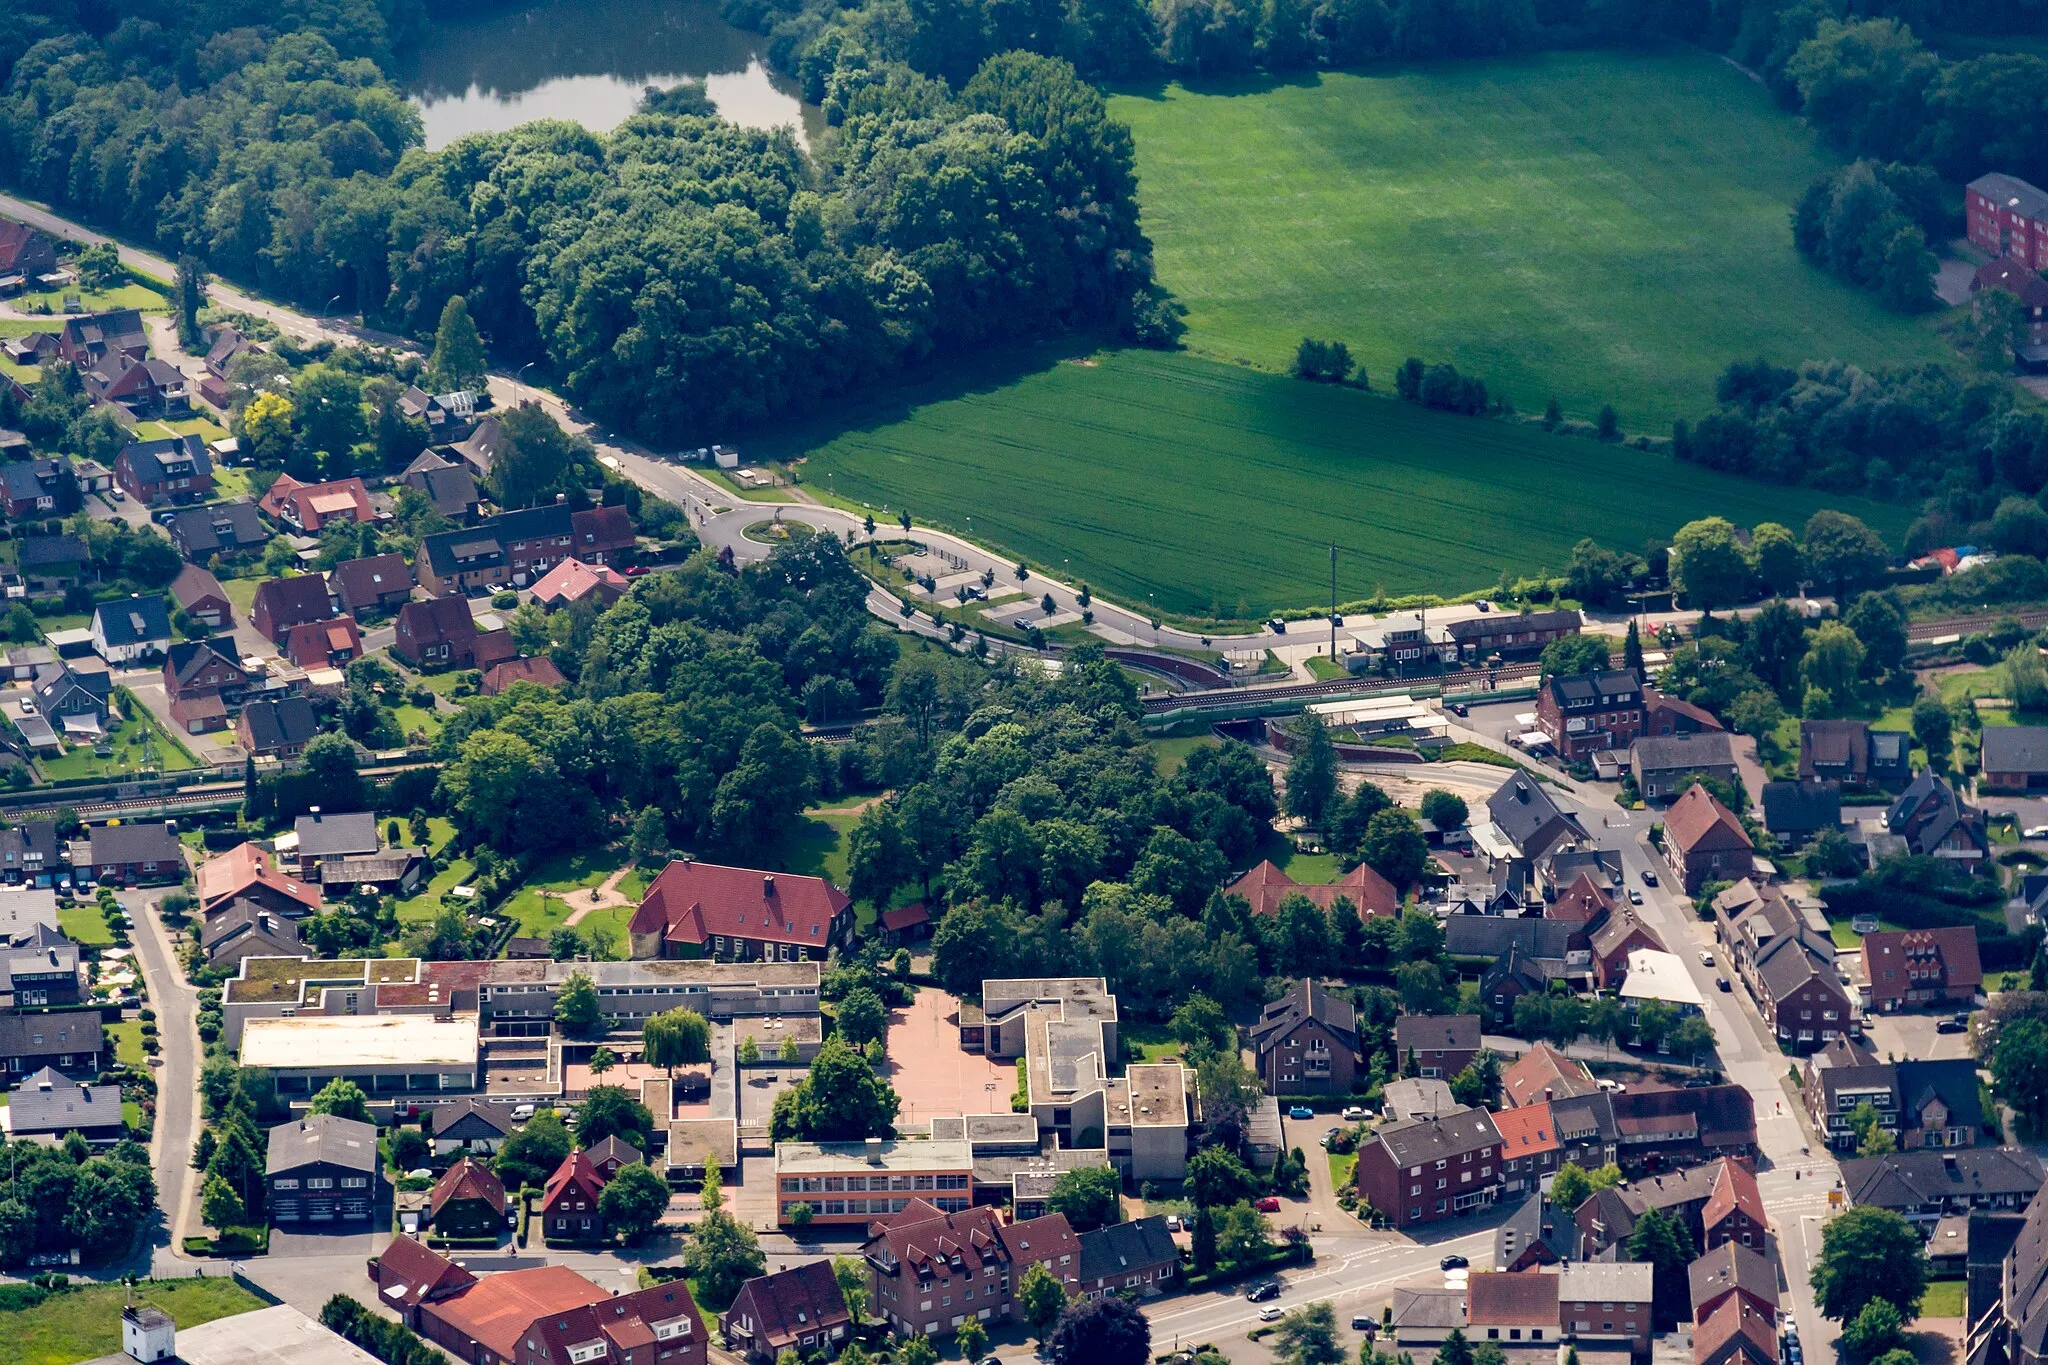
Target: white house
[[131, 629]]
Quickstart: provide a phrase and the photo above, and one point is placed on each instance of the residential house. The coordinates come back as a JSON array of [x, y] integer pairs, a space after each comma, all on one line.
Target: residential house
[[442, 634], [324, 836], [48, 1106], [322, 1169], [1526, 821], [38, 489], [573, 581], [282, 603], [698, 909], [135, 855], [278, 729], [29, 853], [1797, 812], [417, 405], [447, 485], [1528, 1146], [1734, 1212], [223, 529], [2015, 757], [1731, 1270], [1538, 1233], [143, 388], [1585, 712], [1703, 841], [565, 1318], [1834, 751], [1426, 1317], [467, 1201], [1735, 1333], [52, 559], [224, 345], [375, 583], [2007, 217], [307, 507], [540, 672], [514, 549], [1441, 1045], [1787, 964], [245, 928], [1936, 823], [247, 872], [103, 339], [41, 972], [1136, 1257], [1621, 935], [65, 694], [470, 1125], [73, 1041], [173, 469], [200, 596], [1485, 938], [1543, 1074], [324, 644], [1307, 1043], [611, 1153], [2011, 1322], [800, 1310], [1265, 886], [1510, 634], [1920, 1103], [568, 1204], [1656, 1129], [1914, 968], [1607, 1303], [390, 872], [1663, 715], [1506, 1308], [1427, 1170], [1608, 1217], [1412, 1097], [905, 925], [929, 1271], [1514, 974], [478, 452], [1925, 1186], [131, 628], [1665, 765], [25, 255]]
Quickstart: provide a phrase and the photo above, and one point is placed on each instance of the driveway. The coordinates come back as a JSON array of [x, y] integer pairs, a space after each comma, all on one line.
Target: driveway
[[177, 1080], [1320, 1211]]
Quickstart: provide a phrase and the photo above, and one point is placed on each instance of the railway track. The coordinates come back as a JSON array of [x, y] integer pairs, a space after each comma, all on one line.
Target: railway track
[[2032, 619], [1234, 696]]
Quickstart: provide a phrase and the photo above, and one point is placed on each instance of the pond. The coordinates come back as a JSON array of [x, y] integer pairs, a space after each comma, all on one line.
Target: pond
[[488, 68]]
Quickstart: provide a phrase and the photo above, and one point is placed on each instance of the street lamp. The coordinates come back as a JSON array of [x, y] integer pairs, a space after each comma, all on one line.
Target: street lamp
[[516, 378]]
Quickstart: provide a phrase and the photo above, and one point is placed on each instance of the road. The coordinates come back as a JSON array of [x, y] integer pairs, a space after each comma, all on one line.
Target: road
[[177, 1098]]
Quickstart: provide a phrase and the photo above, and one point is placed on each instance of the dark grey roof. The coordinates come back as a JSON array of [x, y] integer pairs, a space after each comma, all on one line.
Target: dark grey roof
[[1928, 811], [30, 1036], [1307, 1000], [2026, 1301], [330, 833], [1611, 688], [169, 457], [2015, 749], [1733, 1266], [488, 539], [1907, 1180], [1416, 1309], [133, 620], [47, 1102], [247, 921], [2011, 192], [322, 1137], [471, 1119], [219, 527], [37, 551], [1527, 814], [1536, 1220], [449, 488], [1584, 1118], [1112, 1251], [614, 1146], [280, 724], [1443, 1032], [53, 683], [37, 959], [1953, 1081], [1491, 935], [1788, 962], [133, 844], [24, 910], [1801, 807], [1676, 753], [1433, 1139], [1494, 623]]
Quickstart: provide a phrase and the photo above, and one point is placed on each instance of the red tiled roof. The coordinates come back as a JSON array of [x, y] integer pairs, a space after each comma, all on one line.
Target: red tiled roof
[[572, 580], [500, 676], [692, 901], [1734, 1319], [601, 528], [497, 1310], [1735, 1190], [906, 917], [313, 643], [194, 584], [1265, 886], [576, 1173], [466, 1180], [417, 1271], [1678, 706], [1582, 901], [360, 582], [1897, 951], [231, 874], [1526, 1130], [922, 1236], [1500, 1298], [1544, 1070], [782, 1308], [1696, 816]]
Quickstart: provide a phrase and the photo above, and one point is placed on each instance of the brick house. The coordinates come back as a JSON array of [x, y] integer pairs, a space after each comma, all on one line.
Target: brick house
[[1788, 967], [173, 469], [200, 596], [442, 634], [612, 1152], [514, 549], [306, 507], [97, 339], [1734, 1212], [1507, 1308], [540, 672], [568, 1203], [1510, 634], [1937, 823], [1921, 967], [928, 1271], [2015, 757], [1443, 1044], [1586, 712], [278, 729], [573, 581], [373, 583], [1664, 715], [322, 1169], [545, 1315], [135, 855], [1307, 1043], [38, 488], [1734, 1270], [1734, 1333], [2005, 216], [1622, 933], [324, 644], [1428, 1170], [1607, 1303], [1665, 765], [282, 603], [1920, 1103], [1543, 1074], [1529, 1148], [1703, 841], [1135, 1257], [2023, 284], [467, 1201], [800, 1309], [739, 914], [200, 682], [25, 254], [1265, 886]]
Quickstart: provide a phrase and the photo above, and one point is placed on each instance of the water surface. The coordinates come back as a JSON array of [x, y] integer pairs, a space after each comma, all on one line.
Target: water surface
[[491, 68]]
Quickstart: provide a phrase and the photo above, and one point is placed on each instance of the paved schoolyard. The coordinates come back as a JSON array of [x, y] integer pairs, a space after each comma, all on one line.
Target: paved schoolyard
[[932, 1076]]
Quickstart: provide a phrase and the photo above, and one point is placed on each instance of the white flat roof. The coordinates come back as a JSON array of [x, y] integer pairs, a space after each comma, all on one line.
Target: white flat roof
[[358, 1040], [1659, 976], [280, 1335]]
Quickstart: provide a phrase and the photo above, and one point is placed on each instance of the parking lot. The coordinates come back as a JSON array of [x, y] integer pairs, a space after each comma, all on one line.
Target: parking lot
[[1915, 1037]]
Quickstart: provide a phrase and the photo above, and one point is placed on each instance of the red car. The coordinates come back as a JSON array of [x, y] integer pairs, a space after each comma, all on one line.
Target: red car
[[1269, 1205]]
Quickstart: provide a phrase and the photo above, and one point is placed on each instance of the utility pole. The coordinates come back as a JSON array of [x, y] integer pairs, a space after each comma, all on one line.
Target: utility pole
[[1333, 599]]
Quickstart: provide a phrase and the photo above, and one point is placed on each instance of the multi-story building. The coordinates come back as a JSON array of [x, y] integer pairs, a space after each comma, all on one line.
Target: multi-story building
[[1607, 1303], [854, 1183], [1787, 964], [1665, 765], [72, 1041], [2006, 216], [1934, 822], [1307, 1042], [1529, 1148], [546, 1315], [1136, 1257], [1608, 1217], [1920, 1103], [442, 634], [1442, 1045], [1509, 1308], [1543, 1074], [518, 548], [698, 909], [173, 469], [322, 1169], [1734, 1212], [1925, 1187], [1428, 1170], [569, 1209], [929, 1270], [1582, 713], [1921, 967], [1739, 1271], [1703, 841], [801, 1309], [282, 603]]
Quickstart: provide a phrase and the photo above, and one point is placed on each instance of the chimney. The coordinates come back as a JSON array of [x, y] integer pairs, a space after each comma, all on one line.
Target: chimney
[[314, 811], [874, 1145], [1948, 1162], [768, 884]]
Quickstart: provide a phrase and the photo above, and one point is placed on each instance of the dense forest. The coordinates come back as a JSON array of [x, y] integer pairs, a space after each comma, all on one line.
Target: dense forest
[[680, 274]]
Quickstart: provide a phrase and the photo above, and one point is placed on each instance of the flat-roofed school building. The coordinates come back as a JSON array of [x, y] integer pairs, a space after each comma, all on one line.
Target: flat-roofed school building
[[384, 1053]]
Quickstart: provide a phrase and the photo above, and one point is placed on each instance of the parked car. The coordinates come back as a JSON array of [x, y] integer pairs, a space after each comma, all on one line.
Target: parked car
[[1649, 877], [1355, 1114], [1361, 1323], [1459, 708], [1706, 958], [1635, 897], [1301, 1111], [1721, 984], [1269, 1205], [1453, 1262], [2035, 832], [1951, 1026], [521, 1112]]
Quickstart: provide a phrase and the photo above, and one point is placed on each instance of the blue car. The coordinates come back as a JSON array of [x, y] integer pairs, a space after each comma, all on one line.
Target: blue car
[[1301, 1111]]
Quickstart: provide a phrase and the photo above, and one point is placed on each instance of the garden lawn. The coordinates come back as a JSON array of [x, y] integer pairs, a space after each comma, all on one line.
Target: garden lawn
[[427, 903], [80, 761], [1604, 227], [1216, 489], [1342, 1165], [83, 1324], [138, 296], [411, 718], [1944, 1299], [538, 907], [1169, 754], [201, 427], [84, 924], [127, 1037]]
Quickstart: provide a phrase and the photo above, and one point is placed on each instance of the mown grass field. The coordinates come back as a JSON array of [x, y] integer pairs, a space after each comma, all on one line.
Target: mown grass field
[[85, 1323], [1218, 489], [1599, 226]]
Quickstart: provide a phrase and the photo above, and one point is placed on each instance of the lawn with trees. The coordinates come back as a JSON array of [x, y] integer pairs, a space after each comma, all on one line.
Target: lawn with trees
[[1208, 488], [1398, 212]]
